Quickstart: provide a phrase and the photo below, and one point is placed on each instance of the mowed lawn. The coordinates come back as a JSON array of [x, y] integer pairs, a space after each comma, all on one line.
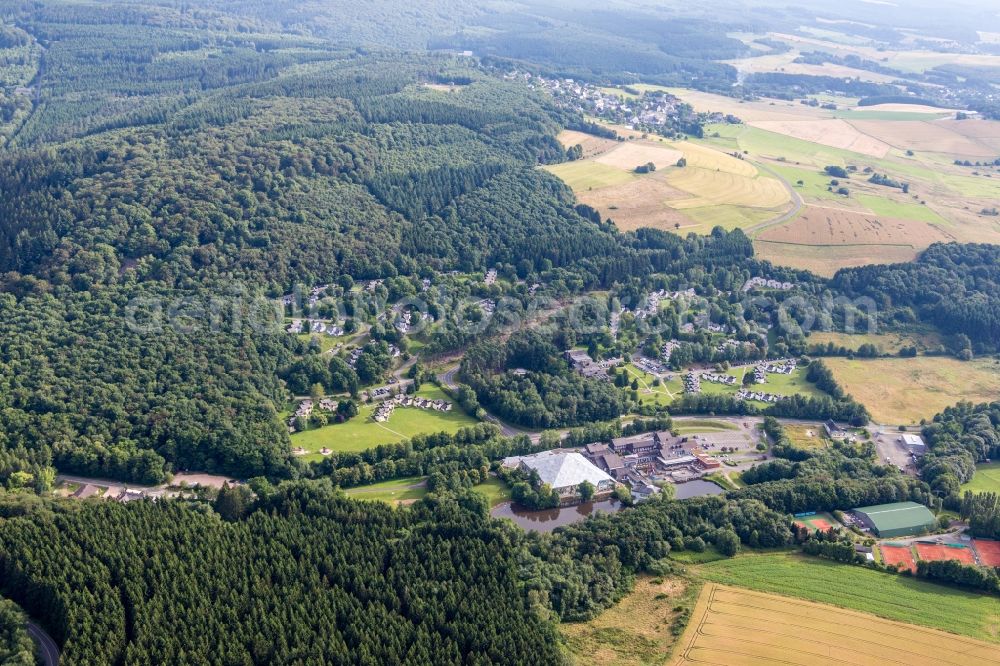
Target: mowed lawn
[[362, 432], [396, 490], [738, 626], [986, 480], [413, 488], [886, 595], [905, 390], [667, 392]]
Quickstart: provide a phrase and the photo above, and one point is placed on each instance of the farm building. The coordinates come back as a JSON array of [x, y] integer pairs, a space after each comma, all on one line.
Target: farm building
[[913, 443], [897, 519]]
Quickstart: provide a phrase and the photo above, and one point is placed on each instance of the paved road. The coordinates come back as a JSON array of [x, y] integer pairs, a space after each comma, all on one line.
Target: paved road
[[47, 647], [797, 203], [449, 380]]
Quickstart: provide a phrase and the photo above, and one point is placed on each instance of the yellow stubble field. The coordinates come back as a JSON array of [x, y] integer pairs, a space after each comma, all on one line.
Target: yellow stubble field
[[736, 627]]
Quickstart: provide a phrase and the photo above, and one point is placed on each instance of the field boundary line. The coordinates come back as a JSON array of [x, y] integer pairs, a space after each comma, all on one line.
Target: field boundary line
[[699, 615], [797, 203], [775, 242], [967, 643]]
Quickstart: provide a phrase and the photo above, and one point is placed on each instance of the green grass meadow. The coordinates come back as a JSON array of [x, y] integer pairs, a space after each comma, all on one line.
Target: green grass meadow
[[886, 595], [986, 479], [899, 209], [414, 487], [583, 175], [361, 432]]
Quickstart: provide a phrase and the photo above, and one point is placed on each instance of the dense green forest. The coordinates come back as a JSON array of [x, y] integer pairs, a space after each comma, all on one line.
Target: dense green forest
[[170, 169], [306, 578], [302, 574], [953, 287], [16, 646], [138, 240]]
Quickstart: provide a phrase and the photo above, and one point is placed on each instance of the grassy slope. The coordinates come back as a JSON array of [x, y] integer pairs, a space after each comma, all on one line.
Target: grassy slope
[[892, 597], [362, 432], [780, 384], [409, 488], [634, 631], [886, 343], [414, 488], [910, 389], [900, 209], [986, 480]]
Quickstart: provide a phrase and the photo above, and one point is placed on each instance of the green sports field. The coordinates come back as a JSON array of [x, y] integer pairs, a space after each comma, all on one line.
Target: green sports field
[[886, 595], [986, 480]]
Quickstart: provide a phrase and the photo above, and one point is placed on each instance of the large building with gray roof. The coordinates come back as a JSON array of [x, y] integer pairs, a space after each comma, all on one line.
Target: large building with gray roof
[[563, 471]]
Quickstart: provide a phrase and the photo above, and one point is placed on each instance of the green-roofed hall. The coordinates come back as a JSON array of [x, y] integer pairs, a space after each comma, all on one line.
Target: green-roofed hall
[[897, 519]]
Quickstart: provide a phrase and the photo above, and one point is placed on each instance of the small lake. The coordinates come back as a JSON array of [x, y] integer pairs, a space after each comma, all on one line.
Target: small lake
[[696, 488], [549, 519]]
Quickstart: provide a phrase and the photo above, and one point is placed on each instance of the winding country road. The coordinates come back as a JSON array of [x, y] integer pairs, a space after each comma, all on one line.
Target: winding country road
[[47, 647], [797, 203], [449, 381]]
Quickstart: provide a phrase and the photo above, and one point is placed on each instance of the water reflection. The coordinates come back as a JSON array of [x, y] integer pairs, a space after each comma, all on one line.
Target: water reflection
[[549, 519], [696, 488]]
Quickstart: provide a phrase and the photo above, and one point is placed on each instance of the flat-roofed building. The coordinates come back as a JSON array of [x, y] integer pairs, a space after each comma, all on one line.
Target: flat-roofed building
[[897, 519]]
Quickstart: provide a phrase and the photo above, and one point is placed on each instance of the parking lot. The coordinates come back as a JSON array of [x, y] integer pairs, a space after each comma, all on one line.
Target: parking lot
[[891, 451]]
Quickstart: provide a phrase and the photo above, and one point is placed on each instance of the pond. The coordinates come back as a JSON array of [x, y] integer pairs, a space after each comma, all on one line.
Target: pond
[[696, 488], [549, 519]]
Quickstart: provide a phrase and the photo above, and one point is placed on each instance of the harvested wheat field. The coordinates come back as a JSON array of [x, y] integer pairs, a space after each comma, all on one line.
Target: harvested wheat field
[[826, 260], [986, 132], [641, 202], [583, 175], [906, 108], [711, 188], [631, 154], [834, 133], [765, 109], [715, 160], [592, 145], [733, 627], [924, 136], [818, 225]]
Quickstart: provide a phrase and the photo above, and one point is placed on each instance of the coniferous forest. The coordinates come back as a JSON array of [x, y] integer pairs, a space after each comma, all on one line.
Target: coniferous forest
[[170, 170]]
